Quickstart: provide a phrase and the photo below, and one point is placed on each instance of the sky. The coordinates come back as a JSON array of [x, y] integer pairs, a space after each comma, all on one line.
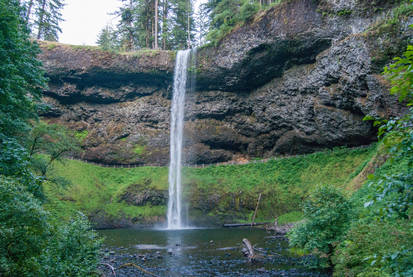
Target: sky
[[85, 18]]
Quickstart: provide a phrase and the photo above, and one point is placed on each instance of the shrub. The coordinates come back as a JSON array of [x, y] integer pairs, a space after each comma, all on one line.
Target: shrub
[[327, 215], [23, 230], [34, 243], [73, 251], [375, 248]]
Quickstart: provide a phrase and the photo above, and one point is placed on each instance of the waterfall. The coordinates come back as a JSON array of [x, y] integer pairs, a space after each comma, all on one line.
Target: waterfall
[[177, 123]]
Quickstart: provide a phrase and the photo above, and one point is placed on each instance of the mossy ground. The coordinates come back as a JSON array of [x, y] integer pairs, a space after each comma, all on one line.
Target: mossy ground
[[224, 192]]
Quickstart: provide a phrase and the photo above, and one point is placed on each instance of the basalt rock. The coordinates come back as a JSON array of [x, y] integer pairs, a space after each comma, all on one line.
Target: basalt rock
[[142, 195], [299, 77]]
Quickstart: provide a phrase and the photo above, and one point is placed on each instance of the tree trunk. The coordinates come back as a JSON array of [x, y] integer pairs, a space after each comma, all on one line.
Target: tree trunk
[[29, 10], [188, 25], [164, 24], [130, 39], [41, 23], [156, 25]]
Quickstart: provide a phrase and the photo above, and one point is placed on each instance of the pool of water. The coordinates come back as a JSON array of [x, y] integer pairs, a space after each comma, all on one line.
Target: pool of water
[[200, 252]]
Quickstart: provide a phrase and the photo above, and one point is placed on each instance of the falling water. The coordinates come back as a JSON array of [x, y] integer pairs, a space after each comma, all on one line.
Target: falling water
[[177, 121]]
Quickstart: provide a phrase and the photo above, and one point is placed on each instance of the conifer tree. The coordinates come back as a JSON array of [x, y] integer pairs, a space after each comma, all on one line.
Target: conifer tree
[[154, 23], [43, 17]]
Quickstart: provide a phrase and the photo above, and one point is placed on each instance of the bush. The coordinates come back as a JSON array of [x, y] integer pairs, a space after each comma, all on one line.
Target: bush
[[34, 243], [375, 248], [23, 230], [73, 251], [327, 216]]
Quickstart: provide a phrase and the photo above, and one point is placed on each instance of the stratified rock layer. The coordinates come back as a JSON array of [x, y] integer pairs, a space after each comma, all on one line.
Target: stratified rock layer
[[299, 77]]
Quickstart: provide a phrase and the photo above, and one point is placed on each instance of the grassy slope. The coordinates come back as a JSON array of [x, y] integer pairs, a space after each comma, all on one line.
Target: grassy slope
[[227, 192]]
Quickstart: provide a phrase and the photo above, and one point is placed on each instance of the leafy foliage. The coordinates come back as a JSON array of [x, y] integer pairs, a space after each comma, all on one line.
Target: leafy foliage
[[225, 15], [34, 243], [52, 140], [23, 230], [74, 249], [21, 80], [374, 248], [400, 74], [327, 213]]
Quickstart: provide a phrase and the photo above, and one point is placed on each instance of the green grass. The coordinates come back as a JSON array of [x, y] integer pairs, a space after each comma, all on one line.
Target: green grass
[[291, 217], [214, 190]]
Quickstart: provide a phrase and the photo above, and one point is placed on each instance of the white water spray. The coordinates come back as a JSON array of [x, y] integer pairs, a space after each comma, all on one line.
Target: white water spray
[[177, 123]]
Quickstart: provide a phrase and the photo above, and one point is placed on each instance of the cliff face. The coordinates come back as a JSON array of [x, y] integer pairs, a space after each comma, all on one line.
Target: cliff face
[[301, 76]]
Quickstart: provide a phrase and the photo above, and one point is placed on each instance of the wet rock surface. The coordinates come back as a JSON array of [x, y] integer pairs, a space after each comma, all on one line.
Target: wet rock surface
[[141, 195], [298, 78]]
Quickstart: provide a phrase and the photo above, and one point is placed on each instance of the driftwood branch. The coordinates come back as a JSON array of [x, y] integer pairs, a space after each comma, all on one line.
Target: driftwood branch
[[138, 267], [256, 208], [111, 268], [250, 249]]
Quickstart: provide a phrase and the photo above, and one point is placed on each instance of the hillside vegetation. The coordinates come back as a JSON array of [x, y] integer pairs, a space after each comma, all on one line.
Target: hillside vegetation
[[224, 192]]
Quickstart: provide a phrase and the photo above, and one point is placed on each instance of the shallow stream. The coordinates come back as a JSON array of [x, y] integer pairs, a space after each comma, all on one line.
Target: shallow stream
[[200, 252]]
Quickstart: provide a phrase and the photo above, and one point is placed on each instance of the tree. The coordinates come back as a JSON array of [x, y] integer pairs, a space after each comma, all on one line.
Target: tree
[[32, 241], [21, 83], [155, 35], [183, 24], [108, 39], [327, 215], [144, 22], [52, 140], [202, 24], [44, 17], [127, 14], [35, 243]]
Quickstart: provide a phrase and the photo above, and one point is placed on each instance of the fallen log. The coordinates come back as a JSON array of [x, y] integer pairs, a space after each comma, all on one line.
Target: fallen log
[[250, 250], [111, 268], [245, 224]]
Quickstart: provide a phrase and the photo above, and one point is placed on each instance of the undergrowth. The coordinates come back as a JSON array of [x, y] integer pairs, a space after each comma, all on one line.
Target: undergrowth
[[218, 191]]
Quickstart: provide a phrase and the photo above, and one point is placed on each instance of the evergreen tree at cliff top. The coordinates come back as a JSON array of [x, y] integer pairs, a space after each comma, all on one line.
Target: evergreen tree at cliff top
[[43, 17], [155, 24]]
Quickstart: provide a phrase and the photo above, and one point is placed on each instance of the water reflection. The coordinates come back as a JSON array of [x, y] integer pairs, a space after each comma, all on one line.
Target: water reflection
[[201, 252]]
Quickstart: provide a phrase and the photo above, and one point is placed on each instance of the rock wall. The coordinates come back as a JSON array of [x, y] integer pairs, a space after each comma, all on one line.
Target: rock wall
[[299, 77]]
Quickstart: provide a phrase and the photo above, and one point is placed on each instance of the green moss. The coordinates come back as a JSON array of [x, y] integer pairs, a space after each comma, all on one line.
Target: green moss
[[81, 135], [139, 149], [344, 12]]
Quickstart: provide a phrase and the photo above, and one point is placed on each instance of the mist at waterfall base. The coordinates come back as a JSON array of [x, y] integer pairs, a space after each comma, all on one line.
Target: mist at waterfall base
[[177, 210]]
